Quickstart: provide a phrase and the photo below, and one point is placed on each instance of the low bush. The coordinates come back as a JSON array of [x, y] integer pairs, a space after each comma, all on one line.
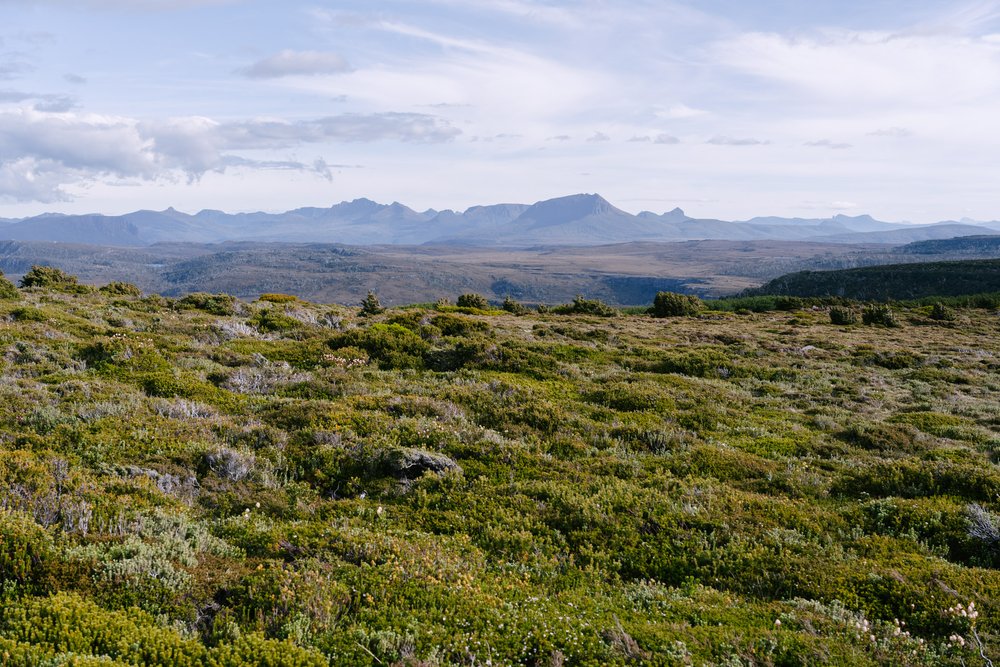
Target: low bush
[[120, 289], [843, 316], [52, 278], [879, 314], [581, 306], [216, 304], [476, 301], [672, 304]]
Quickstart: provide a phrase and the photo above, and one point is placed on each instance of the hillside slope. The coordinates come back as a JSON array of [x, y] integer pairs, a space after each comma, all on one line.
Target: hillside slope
[[209, 482], [893, 281]]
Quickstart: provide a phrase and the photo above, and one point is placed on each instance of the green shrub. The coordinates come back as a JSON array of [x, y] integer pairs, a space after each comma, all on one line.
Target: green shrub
[[26, 553], [391, 345], [273, 320], [672, 304], [788, 303], [941, 313], [121, 289], [470, 300], [28, 314], [707, 363], [512, 306], [843, 316], [7, 289], [879, 314], [454, 325], [216, 304], [885, 438], [581, 306], [371, 305], [271, 297], [52, 278]]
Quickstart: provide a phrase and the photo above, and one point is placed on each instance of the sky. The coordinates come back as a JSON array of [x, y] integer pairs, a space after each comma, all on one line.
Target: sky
[[725, 108]]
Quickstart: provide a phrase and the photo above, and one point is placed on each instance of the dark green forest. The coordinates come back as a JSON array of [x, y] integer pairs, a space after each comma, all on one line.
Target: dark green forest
[[892, 281]]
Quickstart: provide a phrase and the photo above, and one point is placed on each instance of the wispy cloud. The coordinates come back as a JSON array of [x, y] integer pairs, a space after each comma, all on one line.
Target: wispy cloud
[[12, 66], [827, 143], [130, 5], [721, 140], [864, 68], [524, 9], [40, 101], [663, 139], [297, 63], [896, 132]]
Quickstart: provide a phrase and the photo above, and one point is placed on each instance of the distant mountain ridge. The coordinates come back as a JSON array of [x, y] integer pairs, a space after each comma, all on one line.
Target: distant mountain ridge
[[574, 220]]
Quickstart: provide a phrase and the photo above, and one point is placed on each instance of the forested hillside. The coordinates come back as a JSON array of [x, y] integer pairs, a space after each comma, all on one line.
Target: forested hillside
[[207, 481], [895, 281]]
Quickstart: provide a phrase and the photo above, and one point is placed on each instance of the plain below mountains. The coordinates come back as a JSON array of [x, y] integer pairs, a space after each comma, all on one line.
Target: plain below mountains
[[576, 220]]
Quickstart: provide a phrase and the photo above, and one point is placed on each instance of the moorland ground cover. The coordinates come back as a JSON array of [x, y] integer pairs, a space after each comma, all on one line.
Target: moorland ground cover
[[206, 481]]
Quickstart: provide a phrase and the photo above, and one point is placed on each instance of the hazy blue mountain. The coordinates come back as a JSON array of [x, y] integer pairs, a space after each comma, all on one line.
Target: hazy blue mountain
[[909, 234], [581, 219]]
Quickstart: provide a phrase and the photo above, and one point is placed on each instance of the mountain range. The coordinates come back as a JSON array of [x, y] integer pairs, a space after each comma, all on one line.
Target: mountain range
[[574, 220]]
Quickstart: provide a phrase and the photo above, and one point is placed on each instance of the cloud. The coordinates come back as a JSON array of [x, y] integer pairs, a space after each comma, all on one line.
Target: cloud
[[598, 137], [297, 63], [69, 77], [896, 132], [827, 143], [319, 166], [663, 139], [41, 152], [132, 5], [679, 112], [42, 102], [731, 141], [863, 68], [560, 137], [13, 68], [535, 12]]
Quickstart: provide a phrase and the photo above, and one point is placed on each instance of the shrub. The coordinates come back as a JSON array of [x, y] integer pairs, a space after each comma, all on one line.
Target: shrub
[[121, 289], [392, 345], [672, 304], [26, 552], [941, 313], [512, 306], [454, 325], [581, 306], [216, 304], [53, 278], [787, 303], [28, 314], [879, 314], [477, 301], [843, 316], [278, 298], [885, 438], [371, 305], [273, 320], [7, 288]]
